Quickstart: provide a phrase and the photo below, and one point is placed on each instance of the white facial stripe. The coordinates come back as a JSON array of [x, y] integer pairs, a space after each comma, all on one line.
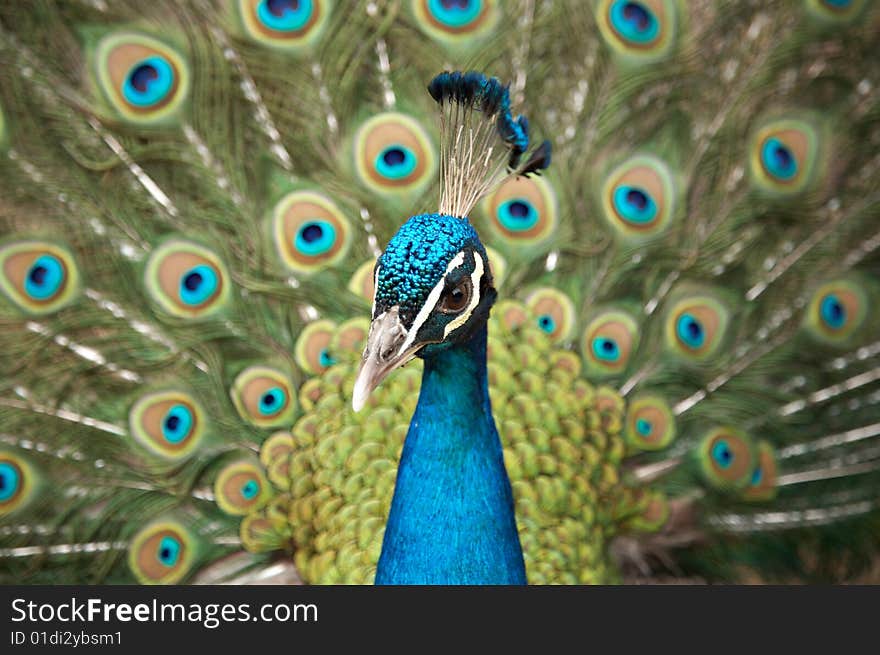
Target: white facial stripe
[[433, 297], [462, 318]]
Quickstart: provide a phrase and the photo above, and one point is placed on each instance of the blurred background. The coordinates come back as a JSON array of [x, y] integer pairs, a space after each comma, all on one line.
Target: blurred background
[[683, 362]]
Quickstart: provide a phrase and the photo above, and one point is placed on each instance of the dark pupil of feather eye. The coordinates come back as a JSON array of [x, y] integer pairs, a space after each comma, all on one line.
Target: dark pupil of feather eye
[[2, 483], [312, 232], [757, 475], [455, 4], [638, 198], [694, 329], [38, 274], [165, 554], [723, 454], [325, 358], [172, 423], [836, 311], [394, 157], [193, 281], [637, 14], [545, 322], [278, 7], [608, 345], [783, 157], [268, 400], [518, 209], [142, 76]]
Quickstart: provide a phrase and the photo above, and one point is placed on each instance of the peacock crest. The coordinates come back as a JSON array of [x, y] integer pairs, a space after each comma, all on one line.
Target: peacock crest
[[202, 202]]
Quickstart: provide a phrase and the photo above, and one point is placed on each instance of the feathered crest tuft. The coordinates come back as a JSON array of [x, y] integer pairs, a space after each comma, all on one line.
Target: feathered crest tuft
[[481, 143]]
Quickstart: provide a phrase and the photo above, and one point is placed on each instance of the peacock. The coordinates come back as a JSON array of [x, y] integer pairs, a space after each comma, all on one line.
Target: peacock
[[292, 291]]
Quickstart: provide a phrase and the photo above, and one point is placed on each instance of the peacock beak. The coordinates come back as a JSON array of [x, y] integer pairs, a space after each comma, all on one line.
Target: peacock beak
[[387, 348]]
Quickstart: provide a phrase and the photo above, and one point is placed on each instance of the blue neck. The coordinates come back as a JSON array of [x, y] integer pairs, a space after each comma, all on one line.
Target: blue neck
[[452, 519]]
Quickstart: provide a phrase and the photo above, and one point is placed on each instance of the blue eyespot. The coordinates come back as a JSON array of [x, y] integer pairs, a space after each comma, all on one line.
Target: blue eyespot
[[690, 331], [177, 424], [198, 284], [272, 400], [778, 160], [9, 481], [517, 215], [285, 15], [644, 427], [396, 162], [546, 323], [832, 311], [315, 237], [838, 4], [606, 349], [169, 551], [455, 13], [325, 359], [722, 454], [634, 205], [757, 476], [44, 277], [148, 82], [634, 22], [250, 489]]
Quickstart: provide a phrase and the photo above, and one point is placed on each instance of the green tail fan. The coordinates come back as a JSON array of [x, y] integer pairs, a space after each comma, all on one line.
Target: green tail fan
[[683, 362]]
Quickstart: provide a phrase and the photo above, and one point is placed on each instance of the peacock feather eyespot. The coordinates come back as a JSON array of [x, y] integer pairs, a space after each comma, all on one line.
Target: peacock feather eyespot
[[145, 80], [837, 310], [264, 396], [393, 154], [696, 326], [285, 24], [241, 487], [643, 29], [456, 22], [836, 10], [650, 423], [161, 553], [608, 343], [312, 350], [169, 424], [17, 482], [783, 156], [762, 483], [309, 231], [186, 279], [653, 511], [37, 276], [522, 211], [552, 312], [638, 197], [726, 458]]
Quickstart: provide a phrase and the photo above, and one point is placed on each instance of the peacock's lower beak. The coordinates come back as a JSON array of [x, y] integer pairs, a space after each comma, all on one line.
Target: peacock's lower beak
[[387, 348]]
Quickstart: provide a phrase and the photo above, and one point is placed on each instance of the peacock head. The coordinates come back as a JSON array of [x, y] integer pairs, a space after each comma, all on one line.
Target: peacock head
[[433, 289]]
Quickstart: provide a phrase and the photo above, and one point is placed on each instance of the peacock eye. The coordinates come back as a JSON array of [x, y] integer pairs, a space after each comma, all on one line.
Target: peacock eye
[[457, 298]]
